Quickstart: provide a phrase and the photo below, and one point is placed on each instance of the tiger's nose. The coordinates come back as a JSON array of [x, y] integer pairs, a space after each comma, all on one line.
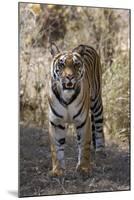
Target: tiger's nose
[[70, 76]]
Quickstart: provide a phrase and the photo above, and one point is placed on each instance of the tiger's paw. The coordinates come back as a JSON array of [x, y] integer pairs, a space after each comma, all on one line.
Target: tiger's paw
[[84, 172], [83, 169], [56, 172], [100, 153]]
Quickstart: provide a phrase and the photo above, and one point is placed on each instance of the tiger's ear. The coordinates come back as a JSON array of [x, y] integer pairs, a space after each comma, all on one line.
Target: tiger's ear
[[80, 49], [54, 49]]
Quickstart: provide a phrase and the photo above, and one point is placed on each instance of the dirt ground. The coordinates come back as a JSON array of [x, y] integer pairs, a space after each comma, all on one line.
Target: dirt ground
[[108, 174]]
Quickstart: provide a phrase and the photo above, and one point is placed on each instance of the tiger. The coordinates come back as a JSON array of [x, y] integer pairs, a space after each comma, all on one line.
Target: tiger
[[75, 96]]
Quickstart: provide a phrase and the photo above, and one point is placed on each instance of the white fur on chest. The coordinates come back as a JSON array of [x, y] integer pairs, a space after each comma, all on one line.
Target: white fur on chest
[[67, 111]]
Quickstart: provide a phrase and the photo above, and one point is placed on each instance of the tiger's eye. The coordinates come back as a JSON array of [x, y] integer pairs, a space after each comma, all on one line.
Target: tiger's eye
[[60, 64], [77, 65]]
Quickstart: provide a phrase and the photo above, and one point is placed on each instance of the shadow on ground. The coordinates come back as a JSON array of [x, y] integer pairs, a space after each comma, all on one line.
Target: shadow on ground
[[109, 174]]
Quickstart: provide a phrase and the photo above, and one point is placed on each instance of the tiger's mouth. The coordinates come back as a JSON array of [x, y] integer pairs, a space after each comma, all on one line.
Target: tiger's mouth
[[68, 86]]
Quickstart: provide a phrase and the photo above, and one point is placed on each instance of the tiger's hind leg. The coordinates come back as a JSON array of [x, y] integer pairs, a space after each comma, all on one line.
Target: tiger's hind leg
[[84, 139], [57, 141], [97, 124]]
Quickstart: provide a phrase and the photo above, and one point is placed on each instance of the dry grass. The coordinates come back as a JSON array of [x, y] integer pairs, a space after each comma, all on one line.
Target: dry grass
[[107, 30]]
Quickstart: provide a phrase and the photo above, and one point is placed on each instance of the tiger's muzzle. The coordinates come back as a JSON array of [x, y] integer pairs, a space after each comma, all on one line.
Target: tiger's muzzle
[[69, 82]]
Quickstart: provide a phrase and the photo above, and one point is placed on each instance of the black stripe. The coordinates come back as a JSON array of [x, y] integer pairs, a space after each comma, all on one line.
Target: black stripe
[[61, 141], [78, 137], [98, 120], [82, 124], [79, 57], [93, 99], [92, 118], [58, 126], [90, 58], [88, 63], [78, 113], [99, 128], [92, 51], [94, 139], [61, 150], [74, 96], [95, 108], [95, 103], [54, 111], [81, 49], [55, 91], [99, 113], [93, 127], [96, 98]]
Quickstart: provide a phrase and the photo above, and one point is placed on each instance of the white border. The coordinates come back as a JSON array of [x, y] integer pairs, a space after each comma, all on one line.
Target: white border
[[98, 3], [9, 99]]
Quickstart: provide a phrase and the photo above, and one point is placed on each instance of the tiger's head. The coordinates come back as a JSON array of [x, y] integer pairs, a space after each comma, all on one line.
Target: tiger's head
[[67, 68]]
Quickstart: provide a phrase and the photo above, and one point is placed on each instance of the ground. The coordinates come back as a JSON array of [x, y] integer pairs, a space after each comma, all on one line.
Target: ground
[[108, 174]]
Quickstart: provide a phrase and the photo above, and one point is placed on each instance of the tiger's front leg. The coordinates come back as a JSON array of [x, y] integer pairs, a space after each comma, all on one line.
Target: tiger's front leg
[[84, 140], [57, 141]]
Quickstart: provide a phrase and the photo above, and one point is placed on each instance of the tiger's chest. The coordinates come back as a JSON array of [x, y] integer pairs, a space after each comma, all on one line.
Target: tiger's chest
[[72, 113]]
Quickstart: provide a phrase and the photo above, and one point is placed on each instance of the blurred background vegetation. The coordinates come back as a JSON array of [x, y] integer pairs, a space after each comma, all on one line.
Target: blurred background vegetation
[[107, 30]]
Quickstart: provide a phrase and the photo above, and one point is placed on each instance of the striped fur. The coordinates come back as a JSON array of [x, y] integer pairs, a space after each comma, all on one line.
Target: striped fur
[[75, 97]]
